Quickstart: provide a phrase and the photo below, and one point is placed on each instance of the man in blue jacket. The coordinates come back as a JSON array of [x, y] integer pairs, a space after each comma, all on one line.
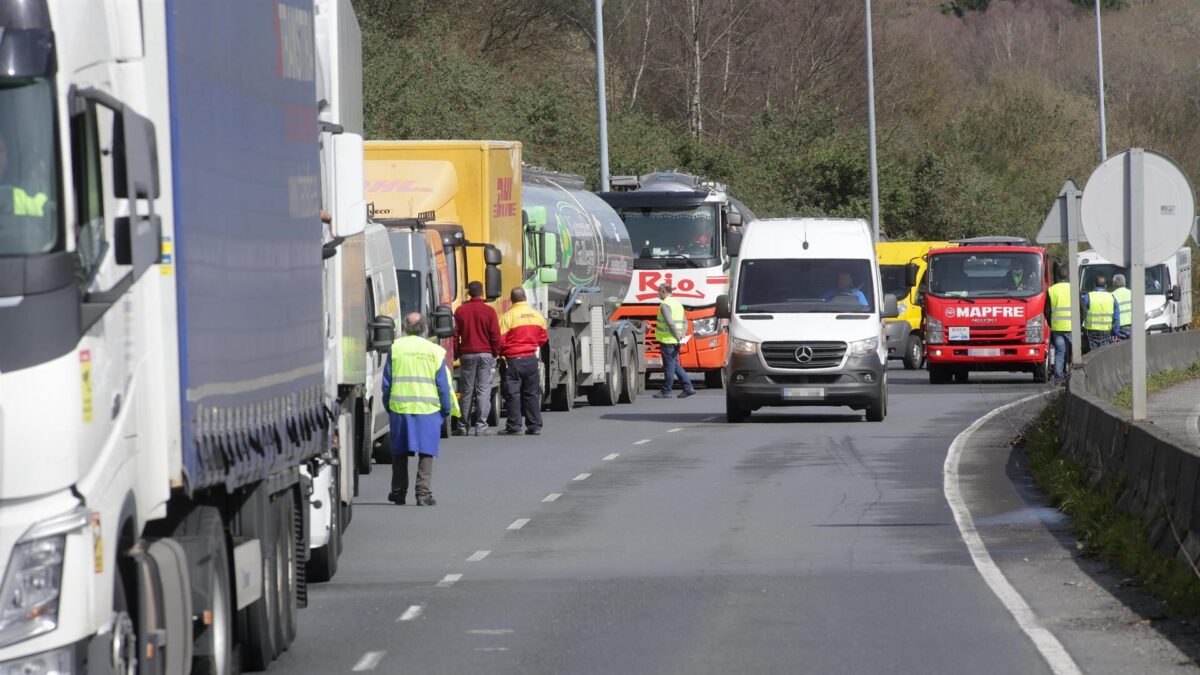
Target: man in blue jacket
[[418, 396]]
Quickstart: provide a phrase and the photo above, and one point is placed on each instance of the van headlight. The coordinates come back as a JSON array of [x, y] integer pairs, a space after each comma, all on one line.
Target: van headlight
[[860, 347], [1035, 330], [704, 327], [934, 334], [56, 662], [1156, 312], [746, 347], [32, 583]]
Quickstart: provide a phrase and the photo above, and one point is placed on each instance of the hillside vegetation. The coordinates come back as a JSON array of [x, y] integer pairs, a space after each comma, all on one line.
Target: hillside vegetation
[[985, 106]]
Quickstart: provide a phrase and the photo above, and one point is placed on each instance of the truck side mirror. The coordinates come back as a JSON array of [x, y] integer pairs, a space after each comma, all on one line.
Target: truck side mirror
[[722, 306], [383, 333], [549, 250], [733, 242], [547, 276], [493, 284], [919, 300], [911, 272], [443, 322], [735, 219], [492, 255], [1176, 293], [891, 307]]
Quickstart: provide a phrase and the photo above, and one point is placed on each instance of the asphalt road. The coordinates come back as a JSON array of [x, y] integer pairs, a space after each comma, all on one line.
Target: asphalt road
[[656, 538]]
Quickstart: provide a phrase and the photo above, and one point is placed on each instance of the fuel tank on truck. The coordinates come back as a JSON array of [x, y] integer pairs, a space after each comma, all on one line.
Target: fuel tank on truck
[[594, 246]]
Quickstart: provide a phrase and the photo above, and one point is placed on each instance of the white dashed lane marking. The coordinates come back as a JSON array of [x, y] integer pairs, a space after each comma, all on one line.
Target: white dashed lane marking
[[369, 661], [449, 580], [518, 523], [552, 497], [478, 555], [582, 476], [671, 431], [490, 631], [609, 458], [411, 613], [642, 442]]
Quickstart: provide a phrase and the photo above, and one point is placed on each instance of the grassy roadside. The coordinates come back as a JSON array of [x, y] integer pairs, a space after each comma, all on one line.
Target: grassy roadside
[[1157, 382], [1104, 532]]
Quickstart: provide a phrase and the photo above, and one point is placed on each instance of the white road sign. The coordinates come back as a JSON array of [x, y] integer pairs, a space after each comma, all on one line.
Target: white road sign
[[1168, 206]]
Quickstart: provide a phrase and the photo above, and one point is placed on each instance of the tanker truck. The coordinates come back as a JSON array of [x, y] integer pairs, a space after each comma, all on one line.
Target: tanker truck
[[578, 268]]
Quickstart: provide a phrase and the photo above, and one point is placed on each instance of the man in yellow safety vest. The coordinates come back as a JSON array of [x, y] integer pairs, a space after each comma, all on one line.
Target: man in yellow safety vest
[[1060, 322], [14, 199], [418, 396], [671, 333], [1101, 315], [1124, 298]]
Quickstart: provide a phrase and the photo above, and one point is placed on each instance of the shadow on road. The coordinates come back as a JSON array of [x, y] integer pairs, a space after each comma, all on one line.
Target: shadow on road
[[666, 416]]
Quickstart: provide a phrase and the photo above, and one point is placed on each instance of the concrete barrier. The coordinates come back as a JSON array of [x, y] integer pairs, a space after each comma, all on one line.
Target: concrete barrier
[[1156, 473]]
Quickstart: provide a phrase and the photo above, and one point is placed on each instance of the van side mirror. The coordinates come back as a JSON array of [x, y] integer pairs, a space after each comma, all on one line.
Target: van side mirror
[[911, 272], [492, 255], [891, 307], [1176, 293], [733, 242], [722, 306], [443, 322], [493, 284], [383, 333]]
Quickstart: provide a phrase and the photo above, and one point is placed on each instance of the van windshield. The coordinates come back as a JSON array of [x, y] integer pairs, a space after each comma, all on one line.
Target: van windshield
[[1157, 277], [893, 278], [787, 285]]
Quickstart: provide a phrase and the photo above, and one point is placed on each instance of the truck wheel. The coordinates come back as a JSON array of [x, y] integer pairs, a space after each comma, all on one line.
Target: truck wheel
[[961, 375], [914, 353], [123, 645], [213, 645], [629, 378], [607, 392], [285, 570], [493, 418], [877, 410], [734, 413], [256, 623], [364, 425], [562, 399], [714, 379], [1041, 371], [323, 561]]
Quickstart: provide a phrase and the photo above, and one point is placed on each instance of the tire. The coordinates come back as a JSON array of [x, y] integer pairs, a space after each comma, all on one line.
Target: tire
[[629, 378], [285, 565], [213, 652], [914, 353], [124, 647], [365, 446], [608, 392], [493, 418], [734, 414], [256, 623], [323, 562], [962, 375], [1041, 372], [562, 399], [938, 374], [381, 452], [877, 410], [714, 379]]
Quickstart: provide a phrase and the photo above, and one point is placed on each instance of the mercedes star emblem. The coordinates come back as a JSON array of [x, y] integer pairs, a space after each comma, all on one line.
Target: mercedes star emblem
[[804, 354]]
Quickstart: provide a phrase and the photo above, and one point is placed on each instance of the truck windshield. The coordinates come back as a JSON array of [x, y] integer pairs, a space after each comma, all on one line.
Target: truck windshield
[[892, 278], [786, 285], [673, 238], [408, 288], [970, 274], [1157, 277], [29, 218]]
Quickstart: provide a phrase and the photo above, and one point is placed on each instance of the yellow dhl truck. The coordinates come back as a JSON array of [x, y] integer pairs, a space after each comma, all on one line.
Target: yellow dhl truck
[[904, 341]]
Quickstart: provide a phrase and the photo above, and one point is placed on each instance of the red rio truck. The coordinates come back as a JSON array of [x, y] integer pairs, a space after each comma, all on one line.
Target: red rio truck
[[985, 309]]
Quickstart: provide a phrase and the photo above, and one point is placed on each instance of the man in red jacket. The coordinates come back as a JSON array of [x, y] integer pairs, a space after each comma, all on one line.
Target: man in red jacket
[[477, 333], [523, 332]]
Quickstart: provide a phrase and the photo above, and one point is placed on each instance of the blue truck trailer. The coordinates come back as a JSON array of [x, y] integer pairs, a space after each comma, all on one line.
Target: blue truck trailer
[[161, 332]]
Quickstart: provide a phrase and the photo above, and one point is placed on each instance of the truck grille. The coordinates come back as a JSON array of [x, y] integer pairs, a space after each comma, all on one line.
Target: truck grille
[[783, 354], [651, 341], [995, 335]]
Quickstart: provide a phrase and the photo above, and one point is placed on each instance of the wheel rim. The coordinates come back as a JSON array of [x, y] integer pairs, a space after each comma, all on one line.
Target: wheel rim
[[220, 627], [124, 645], [916, 352]]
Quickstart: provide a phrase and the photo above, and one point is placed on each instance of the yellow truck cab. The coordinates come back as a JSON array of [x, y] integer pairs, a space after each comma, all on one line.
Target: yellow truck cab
[[904, 341]]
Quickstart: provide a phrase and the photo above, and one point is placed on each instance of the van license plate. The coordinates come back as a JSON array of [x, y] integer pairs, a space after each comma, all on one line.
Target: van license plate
[[983, 352], [960, 333], [791, 393]]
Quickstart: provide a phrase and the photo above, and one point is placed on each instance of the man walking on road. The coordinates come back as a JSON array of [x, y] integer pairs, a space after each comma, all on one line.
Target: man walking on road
[[1101, 315], [1124, 299], [1060, 322], [477, 332], [671, 333], [522, 332], [418, 396]]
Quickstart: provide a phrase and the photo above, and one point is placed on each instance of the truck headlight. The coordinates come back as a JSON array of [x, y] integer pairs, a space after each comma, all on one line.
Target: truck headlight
[[1156, 312], [56, 662], [860, 347], [934, 334], [747, 347], [705, 327], [1035, 330], [32, 583]]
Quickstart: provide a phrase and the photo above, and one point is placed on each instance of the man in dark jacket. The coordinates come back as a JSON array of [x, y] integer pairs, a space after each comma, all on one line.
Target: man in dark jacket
[[477, 332]]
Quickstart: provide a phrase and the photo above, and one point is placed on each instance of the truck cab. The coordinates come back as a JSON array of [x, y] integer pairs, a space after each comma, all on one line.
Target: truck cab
[[985, 304]]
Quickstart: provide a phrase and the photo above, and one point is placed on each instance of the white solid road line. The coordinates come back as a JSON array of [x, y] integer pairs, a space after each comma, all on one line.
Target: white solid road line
[[478, 555], [1047, 644], [582, 476], [671, 431], [368, 661], [411, 613], [449, 580], [711, 418], [491, 649], [552, 497], [642, 442], [490, 631], [609, 458], [518, 523]]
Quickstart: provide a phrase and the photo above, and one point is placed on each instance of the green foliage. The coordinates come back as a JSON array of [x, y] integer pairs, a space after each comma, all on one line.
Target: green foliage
[[1156, 383], [1103, 531]]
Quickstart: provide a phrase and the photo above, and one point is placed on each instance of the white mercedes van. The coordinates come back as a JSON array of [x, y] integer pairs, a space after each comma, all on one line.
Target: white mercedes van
[[805, 318]]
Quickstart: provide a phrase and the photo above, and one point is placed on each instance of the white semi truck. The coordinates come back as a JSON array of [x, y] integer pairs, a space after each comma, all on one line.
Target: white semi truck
[[1168, 287], [162, 359]]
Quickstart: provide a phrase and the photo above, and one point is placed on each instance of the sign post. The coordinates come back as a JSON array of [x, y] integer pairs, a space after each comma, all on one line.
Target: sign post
[[1062, 226], [1137, 209]]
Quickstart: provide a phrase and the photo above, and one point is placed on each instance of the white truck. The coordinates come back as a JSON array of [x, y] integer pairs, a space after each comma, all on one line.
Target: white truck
[[1168, 287], [162, 366]]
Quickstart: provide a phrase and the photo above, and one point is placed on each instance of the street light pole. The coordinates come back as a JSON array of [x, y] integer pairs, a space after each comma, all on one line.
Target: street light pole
[[601, 97], [871, 126], [1100, 85]]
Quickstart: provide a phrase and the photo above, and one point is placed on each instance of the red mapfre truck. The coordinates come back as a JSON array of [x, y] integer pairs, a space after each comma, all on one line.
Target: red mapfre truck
[[985, 304]]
